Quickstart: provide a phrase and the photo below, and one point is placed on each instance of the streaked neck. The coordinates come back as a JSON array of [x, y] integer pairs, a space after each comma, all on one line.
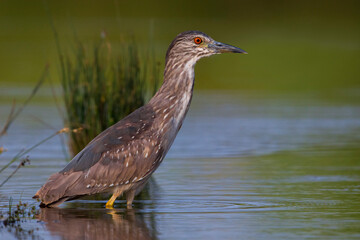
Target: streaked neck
[[175, 94], [178, 80]]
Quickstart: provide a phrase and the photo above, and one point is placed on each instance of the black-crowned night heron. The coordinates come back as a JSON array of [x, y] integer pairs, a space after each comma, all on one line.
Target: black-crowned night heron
[[122, 158]]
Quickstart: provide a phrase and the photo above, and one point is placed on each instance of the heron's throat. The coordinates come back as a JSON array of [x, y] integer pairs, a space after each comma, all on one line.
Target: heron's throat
[[178, 78], [175, 94]]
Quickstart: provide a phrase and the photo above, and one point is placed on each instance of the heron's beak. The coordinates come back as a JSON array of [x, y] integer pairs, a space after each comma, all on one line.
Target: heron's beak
[[219, 47]]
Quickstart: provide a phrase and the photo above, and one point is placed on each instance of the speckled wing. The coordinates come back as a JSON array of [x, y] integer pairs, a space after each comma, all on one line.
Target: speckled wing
[[127, 152], [120, 134]]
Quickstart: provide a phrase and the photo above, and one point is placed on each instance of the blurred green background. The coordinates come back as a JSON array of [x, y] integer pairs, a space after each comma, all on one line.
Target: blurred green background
[[292, 45]]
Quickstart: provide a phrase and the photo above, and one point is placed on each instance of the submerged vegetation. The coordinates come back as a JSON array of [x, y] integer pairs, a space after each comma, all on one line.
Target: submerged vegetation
[[19, 212], [15, 216], [101, 85]]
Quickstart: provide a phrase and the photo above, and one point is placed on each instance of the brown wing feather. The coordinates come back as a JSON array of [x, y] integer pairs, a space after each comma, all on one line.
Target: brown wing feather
[[124, 153], [120, 134]]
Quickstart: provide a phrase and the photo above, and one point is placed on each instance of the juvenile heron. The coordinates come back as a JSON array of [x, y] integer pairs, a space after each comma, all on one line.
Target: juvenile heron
[[121, 159]]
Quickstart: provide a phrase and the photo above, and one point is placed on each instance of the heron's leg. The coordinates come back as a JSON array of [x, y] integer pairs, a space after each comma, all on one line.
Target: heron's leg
[[111, 201], [130, 195]]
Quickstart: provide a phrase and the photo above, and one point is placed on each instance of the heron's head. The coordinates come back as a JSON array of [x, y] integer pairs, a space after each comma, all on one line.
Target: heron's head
[[195, 45]]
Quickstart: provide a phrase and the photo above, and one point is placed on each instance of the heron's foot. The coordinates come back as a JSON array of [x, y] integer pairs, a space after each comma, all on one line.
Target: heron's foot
[[108, 206], [110, 203], [130, 198]]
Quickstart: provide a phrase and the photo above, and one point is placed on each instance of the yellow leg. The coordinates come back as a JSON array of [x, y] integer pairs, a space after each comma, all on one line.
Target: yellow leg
[[130, 198], [111, 201]]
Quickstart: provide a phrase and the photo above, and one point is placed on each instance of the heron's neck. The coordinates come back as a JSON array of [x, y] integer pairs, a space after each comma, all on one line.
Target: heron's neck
[[175, 94]]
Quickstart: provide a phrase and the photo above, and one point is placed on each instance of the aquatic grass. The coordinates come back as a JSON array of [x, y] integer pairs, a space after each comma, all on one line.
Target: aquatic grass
[[14, 113], [19, 212], [22, 153], [21, 164], [101, 85], [13, 220]]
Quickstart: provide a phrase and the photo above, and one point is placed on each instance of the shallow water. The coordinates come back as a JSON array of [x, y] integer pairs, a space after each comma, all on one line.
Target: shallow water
[[244, 166]]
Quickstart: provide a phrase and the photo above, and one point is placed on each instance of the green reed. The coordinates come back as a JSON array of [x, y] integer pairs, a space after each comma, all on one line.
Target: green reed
[[101, 85]]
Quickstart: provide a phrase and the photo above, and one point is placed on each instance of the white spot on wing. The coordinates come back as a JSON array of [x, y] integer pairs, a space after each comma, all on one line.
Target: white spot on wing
[[87, 174]]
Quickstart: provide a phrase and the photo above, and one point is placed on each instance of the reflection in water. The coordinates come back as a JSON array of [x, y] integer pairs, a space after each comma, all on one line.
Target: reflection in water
[[98, 223]]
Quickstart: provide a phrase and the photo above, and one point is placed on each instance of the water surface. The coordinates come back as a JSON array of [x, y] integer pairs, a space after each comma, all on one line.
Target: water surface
[[244, 166]]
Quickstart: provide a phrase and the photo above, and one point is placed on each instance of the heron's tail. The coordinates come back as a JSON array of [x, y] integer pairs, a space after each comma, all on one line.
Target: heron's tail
[[55, 190]]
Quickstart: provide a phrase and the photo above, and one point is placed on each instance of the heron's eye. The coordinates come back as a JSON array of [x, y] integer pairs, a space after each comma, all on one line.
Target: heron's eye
[[198, 40]]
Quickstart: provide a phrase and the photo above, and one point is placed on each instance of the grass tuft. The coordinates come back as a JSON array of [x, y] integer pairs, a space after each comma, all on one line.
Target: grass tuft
[[102, 85]]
